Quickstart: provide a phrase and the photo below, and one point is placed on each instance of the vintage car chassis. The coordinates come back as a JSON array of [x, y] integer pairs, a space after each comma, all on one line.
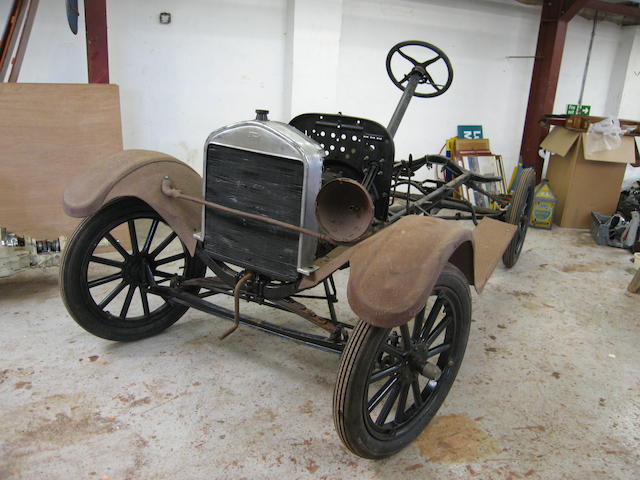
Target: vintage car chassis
[[410, 268]]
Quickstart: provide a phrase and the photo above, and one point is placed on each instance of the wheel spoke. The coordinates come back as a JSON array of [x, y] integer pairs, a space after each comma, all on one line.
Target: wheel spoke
[[417, 395], [439, 349], [145, 301], [391, 350], [380, 374], [127, 302], [133, 236], [163, 245], [402, 402], [444, 323], [116, 244], [150, 235], [170, 259], [103, 280], [417, 324], [379, 395], [388, 405], [430, 62], [159, 273], [106, 261], [433, 314], [404, 55], [113, 294], [406, 338]]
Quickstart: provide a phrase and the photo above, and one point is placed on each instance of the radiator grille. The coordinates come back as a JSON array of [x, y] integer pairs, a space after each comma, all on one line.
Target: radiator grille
[[255, 183]]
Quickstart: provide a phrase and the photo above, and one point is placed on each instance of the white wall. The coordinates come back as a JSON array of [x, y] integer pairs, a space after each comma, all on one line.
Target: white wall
[[220, 59], [488, 89], [630, 96], [215, 63], [602, 66]]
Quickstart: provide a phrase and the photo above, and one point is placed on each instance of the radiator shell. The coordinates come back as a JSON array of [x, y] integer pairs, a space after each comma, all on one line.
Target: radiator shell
[[271, 169]]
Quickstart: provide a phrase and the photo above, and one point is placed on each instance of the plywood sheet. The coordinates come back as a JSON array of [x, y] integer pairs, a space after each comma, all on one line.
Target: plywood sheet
[[49, 133]]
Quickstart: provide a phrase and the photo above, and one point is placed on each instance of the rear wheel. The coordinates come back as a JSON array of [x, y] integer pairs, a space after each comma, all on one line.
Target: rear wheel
[[106, 268], [392, 381], [519, 214]]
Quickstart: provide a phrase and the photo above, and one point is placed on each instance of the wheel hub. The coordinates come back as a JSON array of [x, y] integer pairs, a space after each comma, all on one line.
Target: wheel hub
[[418, 362], [135, 270]]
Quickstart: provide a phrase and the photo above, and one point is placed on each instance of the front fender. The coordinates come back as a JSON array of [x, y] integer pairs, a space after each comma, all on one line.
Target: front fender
[[394, 271], [139, 173]]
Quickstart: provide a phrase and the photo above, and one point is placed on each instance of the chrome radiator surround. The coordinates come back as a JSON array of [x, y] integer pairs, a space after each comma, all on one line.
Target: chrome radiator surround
[[281, 140]]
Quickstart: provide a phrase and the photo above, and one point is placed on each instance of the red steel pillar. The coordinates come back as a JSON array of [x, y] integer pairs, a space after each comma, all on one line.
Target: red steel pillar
[[95, 16], [546, 69]]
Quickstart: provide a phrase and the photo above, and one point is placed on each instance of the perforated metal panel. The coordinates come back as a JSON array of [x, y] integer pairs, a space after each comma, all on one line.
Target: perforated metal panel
[[351, 144]]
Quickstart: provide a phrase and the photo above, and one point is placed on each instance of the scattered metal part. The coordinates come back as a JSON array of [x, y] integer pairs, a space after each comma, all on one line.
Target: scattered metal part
[[301, 310], [431, 371], [236, 297]]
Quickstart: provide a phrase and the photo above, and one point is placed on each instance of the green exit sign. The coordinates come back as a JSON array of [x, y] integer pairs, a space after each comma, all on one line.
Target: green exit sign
[[573, 109]]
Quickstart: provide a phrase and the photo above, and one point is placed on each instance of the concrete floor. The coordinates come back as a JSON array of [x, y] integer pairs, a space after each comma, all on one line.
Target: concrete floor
[[549, 388]]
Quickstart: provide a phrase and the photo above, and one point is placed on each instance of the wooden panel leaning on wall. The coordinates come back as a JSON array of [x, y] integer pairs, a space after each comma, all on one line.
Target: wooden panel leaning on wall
[[48, 134]]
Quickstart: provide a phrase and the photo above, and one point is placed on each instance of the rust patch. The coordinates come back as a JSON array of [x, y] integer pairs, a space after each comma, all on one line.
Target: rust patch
[[555, 374], [413, 467], [582, 267], [312, 466], [456, 439], [307, 408], [535, 306], [21, 385], [265, 415], [141, 401], [66, 430], [93, 358], [521, 293], [537, 428]]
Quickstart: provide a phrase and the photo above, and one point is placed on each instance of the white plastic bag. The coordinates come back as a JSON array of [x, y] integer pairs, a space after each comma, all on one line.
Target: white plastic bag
[[604, 135]]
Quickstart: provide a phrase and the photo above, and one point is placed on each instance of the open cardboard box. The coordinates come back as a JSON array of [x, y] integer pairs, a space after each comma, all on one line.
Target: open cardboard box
[[585, 183]]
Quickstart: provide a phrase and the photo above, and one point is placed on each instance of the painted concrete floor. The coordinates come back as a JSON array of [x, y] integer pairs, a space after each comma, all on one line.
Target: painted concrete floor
[[549, 389]]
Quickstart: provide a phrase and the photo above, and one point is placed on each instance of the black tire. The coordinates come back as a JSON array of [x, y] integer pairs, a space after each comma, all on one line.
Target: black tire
[[371, 357], [519, 213], [84, 258]]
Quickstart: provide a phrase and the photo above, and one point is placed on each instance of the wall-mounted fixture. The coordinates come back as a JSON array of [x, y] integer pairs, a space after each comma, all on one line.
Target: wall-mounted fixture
[[165, 18]]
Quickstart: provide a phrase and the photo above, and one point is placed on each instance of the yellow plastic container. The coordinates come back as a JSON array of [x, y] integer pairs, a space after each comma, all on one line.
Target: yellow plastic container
[[544, 202]]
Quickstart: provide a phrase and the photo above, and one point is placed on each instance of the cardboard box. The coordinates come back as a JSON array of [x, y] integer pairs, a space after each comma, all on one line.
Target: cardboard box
[[584, 183]]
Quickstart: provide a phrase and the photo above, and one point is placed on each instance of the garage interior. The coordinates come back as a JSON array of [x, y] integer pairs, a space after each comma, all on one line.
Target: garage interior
[[550, 381]]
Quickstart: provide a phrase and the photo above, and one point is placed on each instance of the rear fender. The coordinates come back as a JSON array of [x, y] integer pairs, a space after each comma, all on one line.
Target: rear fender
[[139, 173], [394, 271]]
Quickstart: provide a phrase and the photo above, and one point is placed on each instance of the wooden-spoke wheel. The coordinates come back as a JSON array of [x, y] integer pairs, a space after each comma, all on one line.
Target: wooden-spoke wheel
[[107, 269], [519, 214], [392, 381]]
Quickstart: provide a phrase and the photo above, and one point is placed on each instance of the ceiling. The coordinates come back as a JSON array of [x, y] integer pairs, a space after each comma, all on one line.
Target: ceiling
[[590, 13]]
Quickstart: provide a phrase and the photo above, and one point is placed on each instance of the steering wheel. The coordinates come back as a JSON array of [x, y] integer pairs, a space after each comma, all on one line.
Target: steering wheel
[[437, 86]]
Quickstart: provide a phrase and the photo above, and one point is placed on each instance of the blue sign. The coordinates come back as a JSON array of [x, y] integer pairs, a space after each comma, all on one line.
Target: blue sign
[[470, 132]]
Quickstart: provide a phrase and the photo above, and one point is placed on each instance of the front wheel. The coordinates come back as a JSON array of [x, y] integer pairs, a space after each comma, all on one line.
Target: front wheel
[[107, 266], [392, 381]]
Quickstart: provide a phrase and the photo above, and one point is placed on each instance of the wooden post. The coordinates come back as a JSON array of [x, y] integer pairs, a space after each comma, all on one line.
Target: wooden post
[[10, 35], [544, 80], [24, 40], [95, 17]]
